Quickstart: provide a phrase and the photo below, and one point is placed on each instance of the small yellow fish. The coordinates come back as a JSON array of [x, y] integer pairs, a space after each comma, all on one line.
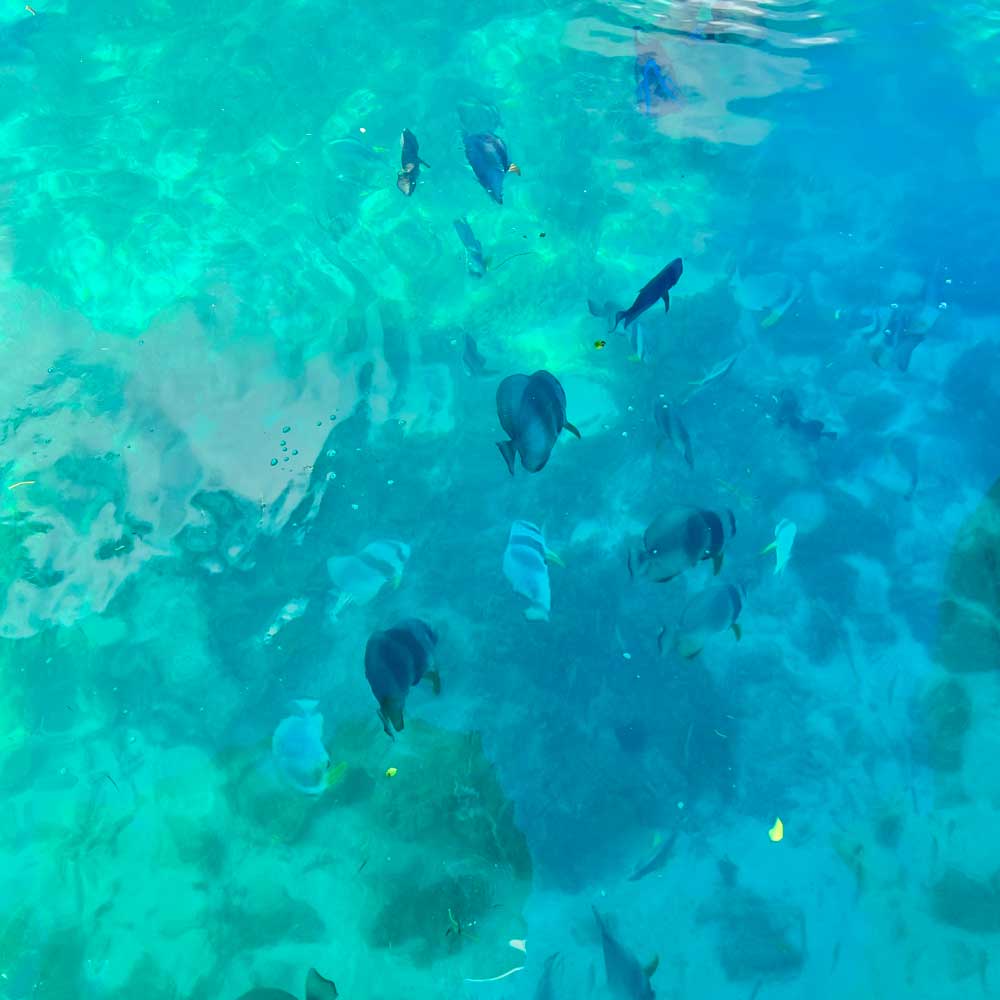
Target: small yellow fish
[[600, 344], [390, 772], [777, 831]]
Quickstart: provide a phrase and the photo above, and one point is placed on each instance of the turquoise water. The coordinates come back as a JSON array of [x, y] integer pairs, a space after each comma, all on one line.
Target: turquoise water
[[233, 357]]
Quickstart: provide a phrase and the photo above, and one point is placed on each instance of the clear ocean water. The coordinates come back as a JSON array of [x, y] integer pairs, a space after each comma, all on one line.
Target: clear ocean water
[[249, 422]]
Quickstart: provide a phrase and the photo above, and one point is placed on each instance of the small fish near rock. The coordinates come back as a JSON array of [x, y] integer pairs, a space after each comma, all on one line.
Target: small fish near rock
[[532, 412], [406, 179], [396, 660]]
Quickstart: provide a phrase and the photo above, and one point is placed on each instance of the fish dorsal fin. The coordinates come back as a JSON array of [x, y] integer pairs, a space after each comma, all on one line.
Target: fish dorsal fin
[[569, 427], [318, 988], [650, 969]]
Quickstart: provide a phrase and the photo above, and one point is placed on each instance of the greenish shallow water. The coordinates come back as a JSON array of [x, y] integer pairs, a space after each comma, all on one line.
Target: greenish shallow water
[[232, 351]]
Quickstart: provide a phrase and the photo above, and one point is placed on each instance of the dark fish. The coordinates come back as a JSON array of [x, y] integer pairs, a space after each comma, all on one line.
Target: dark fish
[[317, 988], [545, 989], [654, 290], [396, 660], [487, 155], [680, 539], [898, 341], [712, 611], [532, 412], [474, 261], [475, 363], [790, 413], [669, 421], [658, 859], [406, 179], [627, 978]]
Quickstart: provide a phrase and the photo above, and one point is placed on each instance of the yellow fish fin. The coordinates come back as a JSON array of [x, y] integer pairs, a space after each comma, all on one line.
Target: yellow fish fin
[[335, 775], [768, 548], [554, 557]]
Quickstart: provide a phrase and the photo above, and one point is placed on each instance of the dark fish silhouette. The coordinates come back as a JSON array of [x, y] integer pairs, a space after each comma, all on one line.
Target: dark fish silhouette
[[790, 413], [545, 989], [669, 421], [532, 412], [396, 660], [659, 858], [406, 179], [651, 293], [709, 612], [475, 363], [474, 261], [627, 978], [680, 539], [487, 155], [317, 988]]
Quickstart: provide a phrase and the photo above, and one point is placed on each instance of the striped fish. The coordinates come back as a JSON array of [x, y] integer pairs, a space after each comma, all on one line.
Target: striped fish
[[359, 579], [525, 566]]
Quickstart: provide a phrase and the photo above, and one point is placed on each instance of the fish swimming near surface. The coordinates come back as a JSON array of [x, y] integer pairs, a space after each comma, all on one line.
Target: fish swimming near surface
[[475, 263], [680, 539], [317, 988], [298, 752], [789, 413], [359, 579], [490, 162], [532, 412], [708, 613], [525, 564], [396, 660], [669, 421], [475, 363], [627, 978], [717, 371], [406, 179], [653, 291]]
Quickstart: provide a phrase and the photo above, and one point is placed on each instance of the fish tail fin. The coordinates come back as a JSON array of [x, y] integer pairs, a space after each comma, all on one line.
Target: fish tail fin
[[666, 302], [737, 631], [619, 316], [569, 427], [318, 988], [508, 451]]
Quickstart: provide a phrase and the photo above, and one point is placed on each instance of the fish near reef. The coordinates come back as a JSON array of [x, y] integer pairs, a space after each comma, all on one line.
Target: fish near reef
[[532, 412], [525, 564], [298, 752], [396, 660], [317, 988]]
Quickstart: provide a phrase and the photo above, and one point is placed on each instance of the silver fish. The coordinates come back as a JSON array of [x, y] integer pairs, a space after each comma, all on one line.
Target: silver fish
[[669, 421]]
